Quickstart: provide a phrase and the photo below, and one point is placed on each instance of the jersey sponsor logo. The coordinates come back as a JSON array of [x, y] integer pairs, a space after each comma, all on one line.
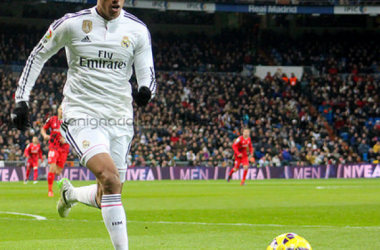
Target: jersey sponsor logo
[[86, 144], [85, 39], [101, 64], [105, 61], [125, 43], [87, 26]]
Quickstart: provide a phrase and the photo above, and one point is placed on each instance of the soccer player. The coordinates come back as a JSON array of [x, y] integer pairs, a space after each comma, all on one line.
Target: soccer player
[[58, 148], [33, 152], [102, 43], [241, 147]]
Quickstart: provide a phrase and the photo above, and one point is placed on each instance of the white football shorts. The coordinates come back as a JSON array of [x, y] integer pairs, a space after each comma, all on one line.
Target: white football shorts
[[89, 141]]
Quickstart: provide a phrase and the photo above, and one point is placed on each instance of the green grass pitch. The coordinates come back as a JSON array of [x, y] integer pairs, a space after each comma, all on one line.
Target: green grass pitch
[[330, 214]]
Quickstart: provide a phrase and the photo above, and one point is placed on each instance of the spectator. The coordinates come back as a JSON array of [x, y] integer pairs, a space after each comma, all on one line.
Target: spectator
[[363, 147], [376, 147], [195, 115]]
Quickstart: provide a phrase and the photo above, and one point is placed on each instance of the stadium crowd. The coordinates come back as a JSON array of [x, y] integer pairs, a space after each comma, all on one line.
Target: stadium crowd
[[196, 116], [193, 52], [329, 53], [203, 102], [229, 50]]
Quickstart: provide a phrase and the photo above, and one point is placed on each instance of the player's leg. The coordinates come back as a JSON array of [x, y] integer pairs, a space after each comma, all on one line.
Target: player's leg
[[245, 166], [51, 178], [91, 195], [54, 170], [111, 204], [28, 166], [88, 195], [234, 169], [108, 188], [113, 211], [62, 157], [96, 142], [53, 156], [35, 172]]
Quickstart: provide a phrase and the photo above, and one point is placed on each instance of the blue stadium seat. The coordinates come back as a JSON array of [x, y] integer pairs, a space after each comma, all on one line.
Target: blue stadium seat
[[344, 136], [320, 109], [365, 157]]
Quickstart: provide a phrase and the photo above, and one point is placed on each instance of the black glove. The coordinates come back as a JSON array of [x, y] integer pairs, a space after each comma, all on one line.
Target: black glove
[[20, 116], [142, 97]]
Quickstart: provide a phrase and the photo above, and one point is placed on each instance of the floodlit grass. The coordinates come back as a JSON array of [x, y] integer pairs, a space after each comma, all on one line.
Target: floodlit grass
[[330, 214]]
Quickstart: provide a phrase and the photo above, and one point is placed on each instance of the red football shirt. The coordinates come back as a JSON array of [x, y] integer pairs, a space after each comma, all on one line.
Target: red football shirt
[[242, 146], [33, 151], [55, 134]]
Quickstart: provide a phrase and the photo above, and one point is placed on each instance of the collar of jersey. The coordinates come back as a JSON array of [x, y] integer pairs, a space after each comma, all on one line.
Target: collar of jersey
[[96, 14]]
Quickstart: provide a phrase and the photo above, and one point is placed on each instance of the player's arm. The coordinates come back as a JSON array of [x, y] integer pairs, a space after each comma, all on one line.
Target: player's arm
[[40, 153], [53, 40], [44, 129], [250, 148], [27, 151], [43, 132], [144, 69], [235, 147], [62, 140]]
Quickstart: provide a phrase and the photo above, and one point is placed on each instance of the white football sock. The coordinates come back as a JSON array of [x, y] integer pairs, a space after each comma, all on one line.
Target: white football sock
[[115, 220], [85, 195]]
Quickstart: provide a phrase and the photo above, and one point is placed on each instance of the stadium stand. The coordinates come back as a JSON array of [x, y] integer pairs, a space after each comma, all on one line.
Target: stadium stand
[[329, 53], [332, 116]]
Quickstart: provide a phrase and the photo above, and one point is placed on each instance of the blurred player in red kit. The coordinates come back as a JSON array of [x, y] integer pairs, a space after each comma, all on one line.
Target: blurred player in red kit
[[33, 152], [241, 147], [58, 148]]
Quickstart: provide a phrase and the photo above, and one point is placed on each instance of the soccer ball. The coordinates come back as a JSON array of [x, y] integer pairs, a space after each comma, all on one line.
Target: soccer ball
[[289, 241]]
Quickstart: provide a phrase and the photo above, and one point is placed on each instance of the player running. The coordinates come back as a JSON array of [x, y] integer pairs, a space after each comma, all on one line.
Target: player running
[[102, 45], [241, 147], [34, 153], [58, 148]]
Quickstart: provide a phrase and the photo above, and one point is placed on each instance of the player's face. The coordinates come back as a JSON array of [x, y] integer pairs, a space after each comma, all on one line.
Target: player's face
[[60, 112], [245, 133], [109, 9], [35, 140]]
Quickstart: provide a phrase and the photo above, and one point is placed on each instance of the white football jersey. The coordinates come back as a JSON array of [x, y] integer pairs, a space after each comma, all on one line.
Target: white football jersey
[[100, 55]]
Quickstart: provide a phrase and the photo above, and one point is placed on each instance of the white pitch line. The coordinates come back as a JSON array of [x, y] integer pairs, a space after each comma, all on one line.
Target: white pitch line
[[38, 217], [197, 223], [251, 225], [342, 187]]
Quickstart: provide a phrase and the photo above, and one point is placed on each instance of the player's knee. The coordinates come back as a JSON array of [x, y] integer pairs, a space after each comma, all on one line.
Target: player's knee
[[52, 168], [110, 182]]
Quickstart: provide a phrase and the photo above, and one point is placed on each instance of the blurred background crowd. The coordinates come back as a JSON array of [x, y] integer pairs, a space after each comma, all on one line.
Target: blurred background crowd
[[199, 111], [329, 115]]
